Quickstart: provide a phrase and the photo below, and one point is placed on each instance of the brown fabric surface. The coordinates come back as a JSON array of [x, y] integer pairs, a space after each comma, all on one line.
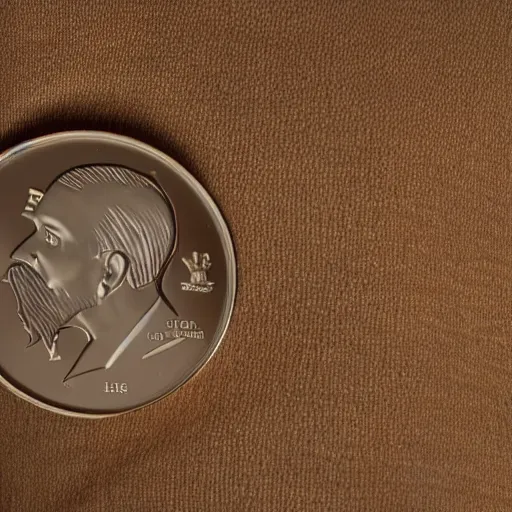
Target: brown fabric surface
[[361, 153]]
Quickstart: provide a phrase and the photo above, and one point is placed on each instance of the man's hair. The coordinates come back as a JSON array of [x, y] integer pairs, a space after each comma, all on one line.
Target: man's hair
[[137, 221]]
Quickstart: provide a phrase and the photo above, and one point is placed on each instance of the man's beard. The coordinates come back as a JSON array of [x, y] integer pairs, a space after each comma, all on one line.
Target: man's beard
[[42, 311]]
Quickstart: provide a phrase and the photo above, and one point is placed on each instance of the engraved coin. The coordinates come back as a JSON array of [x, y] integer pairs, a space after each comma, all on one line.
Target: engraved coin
[[118, 273]]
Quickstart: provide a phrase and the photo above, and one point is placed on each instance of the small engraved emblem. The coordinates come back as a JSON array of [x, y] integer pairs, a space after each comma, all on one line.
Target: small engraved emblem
[[34, 198], [198, 267]]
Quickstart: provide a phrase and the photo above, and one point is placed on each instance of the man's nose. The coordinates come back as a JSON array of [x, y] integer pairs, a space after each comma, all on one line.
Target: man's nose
[[26, 252]]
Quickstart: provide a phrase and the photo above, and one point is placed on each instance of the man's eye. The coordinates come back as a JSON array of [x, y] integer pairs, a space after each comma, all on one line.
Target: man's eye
[[50, 238]]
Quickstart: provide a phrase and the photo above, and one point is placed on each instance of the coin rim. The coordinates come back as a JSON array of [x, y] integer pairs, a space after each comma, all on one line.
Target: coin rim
[[226, 239]]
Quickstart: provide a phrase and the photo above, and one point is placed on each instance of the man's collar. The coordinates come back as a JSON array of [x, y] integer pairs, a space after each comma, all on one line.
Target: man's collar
[[101, 354]]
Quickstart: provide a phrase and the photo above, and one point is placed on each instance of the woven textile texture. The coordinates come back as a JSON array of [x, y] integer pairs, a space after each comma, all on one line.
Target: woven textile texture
[[361, 154]]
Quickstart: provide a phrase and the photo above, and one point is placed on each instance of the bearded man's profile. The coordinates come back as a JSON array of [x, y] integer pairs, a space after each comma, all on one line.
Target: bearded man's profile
[[103, 237]]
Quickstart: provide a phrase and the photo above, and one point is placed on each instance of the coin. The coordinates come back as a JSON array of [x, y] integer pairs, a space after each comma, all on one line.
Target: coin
[[118, 273]]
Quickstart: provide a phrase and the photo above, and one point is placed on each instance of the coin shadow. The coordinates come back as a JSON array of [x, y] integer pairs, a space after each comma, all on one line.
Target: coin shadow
[[75, 118]]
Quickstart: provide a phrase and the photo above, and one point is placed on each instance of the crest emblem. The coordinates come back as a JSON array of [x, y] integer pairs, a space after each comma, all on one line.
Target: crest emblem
[[198, 267]]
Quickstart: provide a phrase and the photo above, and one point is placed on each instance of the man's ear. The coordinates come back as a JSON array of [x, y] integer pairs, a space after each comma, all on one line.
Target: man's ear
[[115, 270]]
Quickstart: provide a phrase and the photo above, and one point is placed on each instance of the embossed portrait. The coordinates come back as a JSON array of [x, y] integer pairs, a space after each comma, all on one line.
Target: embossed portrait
[[102, 240]]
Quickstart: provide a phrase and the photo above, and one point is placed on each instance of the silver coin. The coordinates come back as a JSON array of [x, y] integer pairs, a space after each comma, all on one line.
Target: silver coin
[[118, 273]]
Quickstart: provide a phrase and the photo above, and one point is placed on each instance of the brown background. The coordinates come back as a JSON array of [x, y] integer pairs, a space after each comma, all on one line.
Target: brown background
[[361, 153]]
